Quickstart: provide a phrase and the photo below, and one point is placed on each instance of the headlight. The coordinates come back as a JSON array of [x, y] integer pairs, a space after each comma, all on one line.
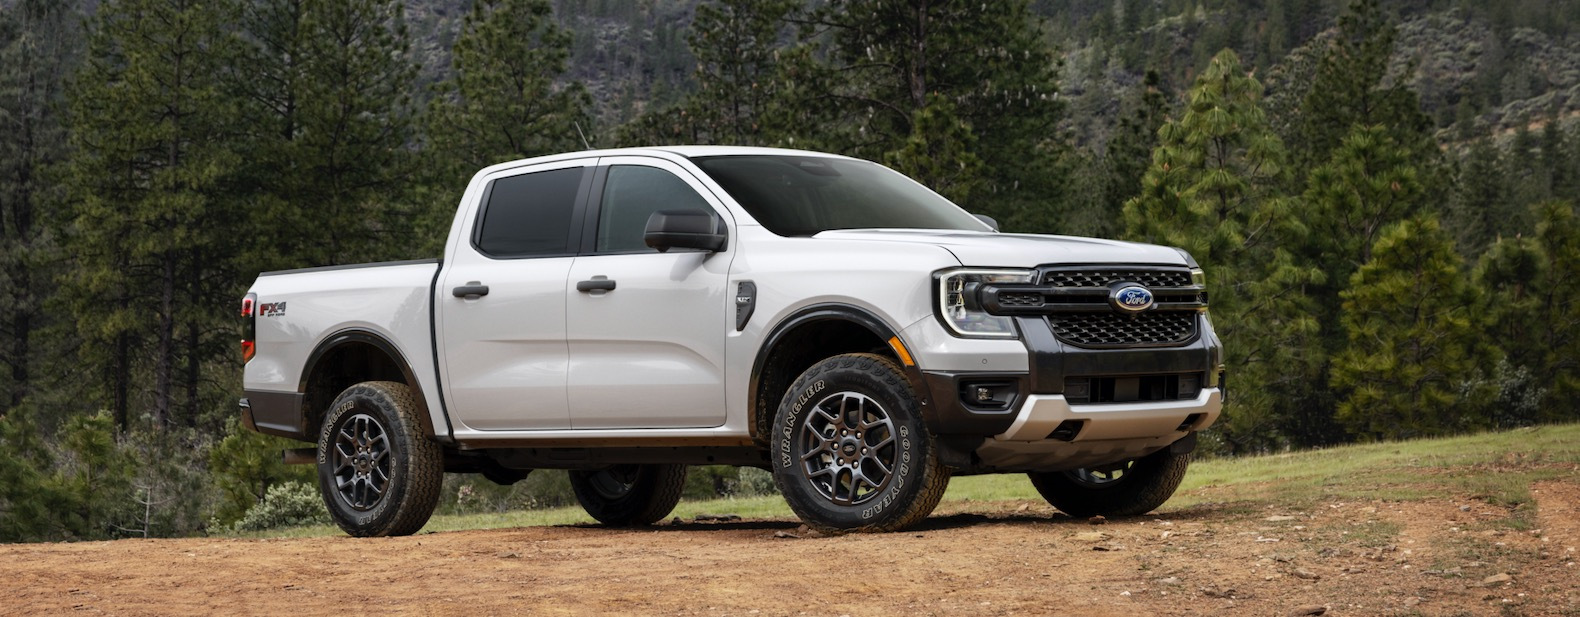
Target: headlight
[[957, 302], [1199, 279]]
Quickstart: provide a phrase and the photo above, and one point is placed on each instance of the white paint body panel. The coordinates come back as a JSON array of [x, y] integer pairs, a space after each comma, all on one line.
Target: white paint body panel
[[390, 301], [658, 360], [651, 352]]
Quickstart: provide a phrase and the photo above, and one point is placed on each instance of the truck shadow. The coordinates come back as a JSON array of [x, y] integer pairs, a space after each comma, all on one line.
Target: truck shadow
[[961, 520]]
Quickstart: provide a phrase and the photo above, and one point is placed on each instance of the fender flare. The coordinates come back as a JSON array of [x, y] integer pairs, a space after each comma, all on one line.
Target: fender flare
[[368, 337], [831, 311]]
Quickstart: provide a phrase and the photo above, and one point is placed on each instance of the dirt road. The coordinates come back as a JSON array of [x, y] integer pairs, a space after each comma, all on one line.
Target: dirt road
[[1439, 557]]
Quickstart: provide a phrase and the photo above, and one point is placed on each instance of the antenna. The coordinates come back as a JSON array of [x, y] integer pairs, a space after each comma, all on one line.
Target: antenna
[[583, 135]]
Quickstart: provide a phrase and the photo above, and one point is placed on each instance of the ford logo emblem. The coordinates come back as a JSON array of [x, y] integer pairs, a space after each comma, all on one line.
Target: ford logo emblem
[[1131, 298]]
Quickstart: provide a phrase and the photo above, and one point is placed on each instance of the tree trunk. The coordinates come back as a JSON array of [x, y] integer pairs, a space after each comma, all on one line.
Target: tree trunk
[[120, 365], [164, 354]]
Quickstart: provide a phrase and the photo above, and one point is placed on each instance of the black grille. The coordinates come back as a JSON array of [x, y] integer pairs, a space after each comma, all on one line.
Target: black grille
[[1102, 277], [1109, 329]]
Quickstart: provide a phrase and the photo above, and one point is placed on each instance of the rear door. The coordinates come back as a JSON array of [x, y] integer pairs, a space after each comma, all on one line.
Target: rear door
[[647, 334], [501, 300]]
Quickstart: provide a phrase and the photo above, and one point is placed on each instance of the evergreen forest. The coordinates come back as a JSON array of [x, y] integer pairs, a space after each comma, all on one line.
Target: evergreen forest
[[1382, 192]]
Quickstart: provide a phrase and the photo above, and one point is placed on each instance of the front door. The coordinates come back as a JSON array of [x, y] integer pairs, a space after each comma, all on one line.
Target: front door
[[646, 329]]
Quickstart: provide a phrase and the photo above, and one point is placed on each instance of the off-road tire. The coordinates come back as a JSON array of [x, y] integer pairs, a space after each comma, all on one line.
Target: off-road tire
[[627, 495], [1146, 484], [814, 451], [373, 436]]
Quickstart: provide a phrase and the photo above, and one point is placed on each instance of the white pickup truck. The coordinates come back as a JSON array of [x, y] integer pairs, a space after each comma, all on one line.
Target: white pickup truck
[[624, 313]]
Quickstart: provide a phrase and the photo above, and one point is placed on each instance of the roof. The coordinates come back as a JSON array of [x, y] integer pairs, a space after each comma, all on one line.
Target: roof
[[660, 151]]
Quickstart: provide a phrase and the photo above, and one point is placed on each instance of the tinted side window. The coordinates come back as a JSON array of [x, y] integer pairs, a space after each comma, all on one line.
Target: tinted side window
[[530, 214], [631, 195]]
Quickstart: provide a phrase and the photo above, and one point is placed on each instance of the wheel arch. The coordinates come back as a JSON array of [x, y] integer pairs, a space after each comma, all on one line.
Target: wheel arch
[[808, 335], [349, 357]]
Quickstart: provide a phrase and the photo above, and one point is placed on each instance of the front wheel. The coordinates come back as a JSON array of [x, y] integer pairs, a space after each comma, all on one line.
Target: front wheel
[[1128, 488], [623, 495], [378, 473], [850, 450]]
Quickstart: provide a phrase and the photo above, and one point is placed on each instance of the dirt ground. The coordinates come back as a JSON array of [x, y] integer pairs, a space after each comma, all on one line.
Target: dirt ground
[[1439, 557]]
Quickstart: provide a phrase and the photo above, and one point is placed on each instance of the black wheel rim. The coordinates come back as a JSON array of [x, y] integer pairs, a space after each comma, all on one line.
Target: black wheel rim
[[614, 482], [362, 461], [1101, 477], [848, 448]]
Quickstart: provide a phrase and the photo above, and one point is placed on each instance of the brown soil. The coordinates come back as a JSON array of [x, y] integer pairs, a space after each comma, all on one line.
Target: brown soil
[[1438, 557]]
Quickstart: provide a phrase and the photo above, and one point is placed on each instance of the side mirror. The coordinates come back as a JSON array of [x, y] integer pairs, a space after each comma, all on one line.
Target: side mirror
[[687, 229], [987, 219]]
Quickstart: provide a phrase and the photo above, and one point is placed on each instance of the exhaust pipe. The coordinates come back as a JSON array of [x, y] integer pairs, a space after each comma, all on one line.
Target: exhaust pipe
[[300, 456]]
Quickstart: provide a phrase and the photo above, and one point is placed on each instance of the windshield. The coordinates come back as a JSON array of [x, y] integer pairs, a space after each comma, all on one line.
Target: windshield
[[804, 195]]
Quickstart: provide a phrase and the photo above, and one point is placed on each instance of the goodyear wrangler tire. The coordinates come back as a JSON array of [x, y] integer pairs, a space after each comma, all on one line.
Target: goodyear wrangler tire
[[849, 450], [378, 473], [624, 495], [1129, 488]]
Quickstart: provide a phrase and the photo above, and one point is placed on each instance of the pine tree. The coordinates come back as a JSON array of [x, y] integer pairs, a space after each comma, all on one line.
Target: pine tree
[[1559, 160], [1512, 278], [1352, 86], [1413, 361], [885, 59], [38, 39], [328, 86], [27, 497], [1532, 288], [939, 153], [245, 464], [736, 44], [1558, 232], [93, 476], [149, 124], [1369, 184], [504, 100], [1129, 152], [1481, 198], [1213, 189], [1214, 172]]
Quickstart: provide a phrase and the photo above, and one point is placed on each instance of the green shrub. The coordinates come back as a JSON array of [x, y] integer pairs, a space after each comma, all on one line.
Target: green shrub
[[292, 504]]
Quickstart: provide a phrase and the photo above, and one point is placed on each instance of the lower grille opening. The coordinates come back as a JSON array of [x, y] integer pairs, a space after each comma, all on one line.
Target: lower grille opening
[[1128, 389]]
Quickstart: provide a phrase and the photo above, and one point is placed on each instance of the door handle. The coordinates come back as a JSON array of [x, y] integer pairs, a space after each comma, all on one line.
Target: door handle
[[471, 291], [595, 285]]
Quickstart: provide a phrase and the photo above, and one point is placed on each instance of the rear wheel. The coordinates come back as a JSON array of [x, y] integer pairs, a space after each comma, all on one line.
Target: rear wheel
[[378, 473], [622, 495], [1127, 488], [850, 450]]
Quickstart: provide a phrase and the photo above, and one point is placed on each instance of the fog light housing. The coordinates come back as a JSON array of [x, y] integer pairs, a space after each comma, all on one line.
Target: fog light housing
[[995, 395]]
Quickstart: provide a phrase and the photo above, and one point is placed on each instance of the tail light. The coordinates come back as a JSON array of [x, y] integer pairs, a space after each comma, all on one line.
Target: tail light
[[249, 327]]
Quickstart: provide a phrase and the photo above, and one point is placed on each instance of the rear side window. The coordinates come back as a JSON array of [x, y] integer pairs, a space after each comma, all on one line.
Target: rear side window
[[631, 195], [530, 214]]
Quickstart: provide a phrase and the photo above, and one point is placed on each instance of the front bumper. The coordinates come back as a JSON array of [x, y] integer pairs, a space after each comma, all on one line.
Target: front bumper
[[1090, 435], [1024, 422], [1050, 417]]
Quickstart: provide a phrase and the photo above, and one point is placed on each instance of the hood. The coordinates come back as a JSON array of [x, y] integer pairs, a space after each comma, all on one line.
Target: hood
[[990, 250]]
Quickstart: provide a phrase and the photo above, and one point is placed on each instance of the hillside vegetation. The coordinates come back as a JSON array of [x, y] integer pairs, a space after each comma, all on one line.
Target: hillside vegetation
[[1383, 194]]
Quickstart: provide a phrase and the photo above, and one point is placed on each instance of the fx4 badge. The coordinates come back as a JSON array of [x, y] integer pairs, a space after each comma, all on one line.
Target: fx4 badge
[[275, 309]]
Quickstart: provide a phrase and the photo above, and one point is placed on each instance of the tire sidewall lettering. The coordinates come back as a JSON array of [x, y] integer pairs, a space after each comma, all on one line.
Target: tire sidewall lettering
[[901, 473], [787, 429]]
